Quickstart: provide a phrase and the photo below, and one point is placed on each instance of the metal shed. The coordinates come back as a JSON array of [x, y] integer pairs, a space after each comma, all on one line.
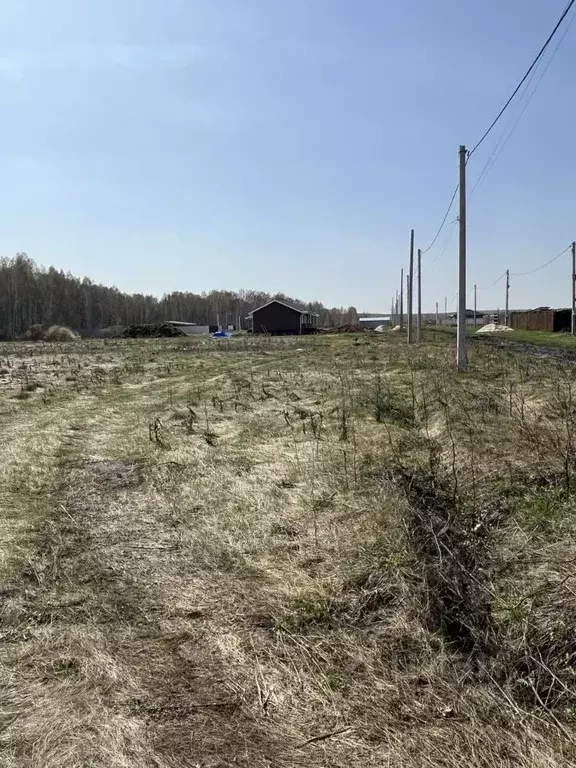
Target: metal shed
[[279, 318]]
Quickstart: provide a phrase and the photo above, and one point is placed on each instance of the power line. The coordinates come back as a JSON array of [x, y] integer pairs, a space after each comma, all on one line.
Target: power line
[[456, 294], [526, 76], [502, 142], [441, 253], [495, 154], [537, 269], [521, 274], [485, 287], [441, 227]]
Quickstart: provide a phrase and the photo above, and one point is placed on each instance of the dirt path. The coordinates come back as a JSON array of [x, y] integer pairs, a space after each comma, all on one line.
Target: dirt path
[[117, 644], [105, 654]]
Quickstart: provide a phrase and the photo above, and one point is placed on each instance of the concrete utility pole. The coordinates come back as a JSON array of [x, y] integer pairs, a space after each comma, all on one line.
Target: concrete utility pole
[[475, 290], [396, 310], [461, 352], [573, 325], [410, 286], [401, 299], [408, 292], [506, 311], [437, 322], [419, 315]]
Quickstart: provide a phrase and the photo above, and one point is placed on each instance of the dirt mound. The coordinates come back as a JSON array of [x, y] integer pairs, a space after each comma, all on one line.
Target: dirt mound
[[350, 328], [152, 331]]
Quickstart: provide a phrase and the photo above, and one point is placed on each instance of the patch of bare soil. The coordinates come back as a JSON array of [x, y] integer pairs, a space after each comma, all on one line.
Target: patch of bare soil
[[525, 348]]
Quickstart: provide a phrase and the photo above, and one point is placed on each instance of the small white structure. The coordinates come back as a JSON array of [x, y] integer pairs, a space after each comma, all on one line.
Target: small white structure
[[374, 322], [190, 329]]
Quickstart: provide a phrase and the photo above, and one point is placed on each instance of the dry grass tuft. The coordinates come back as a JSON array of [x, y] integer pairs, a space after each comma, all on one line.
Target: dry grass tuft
[[60, 333], [53, 333]]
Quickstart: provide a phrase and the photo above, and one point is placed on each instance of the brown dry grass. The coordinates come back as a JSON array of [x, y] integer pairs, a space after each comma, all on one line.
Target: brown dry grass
[[293, 552]]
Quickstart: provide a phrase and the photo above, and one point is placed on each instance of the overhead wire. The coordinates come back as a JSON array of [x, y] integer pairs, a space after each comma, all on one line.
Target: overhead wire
[[524, 78], [486, 287], [542, 266], [521, 274], [505, 137], [503, 140], [456, 294], [441, 253], [441, 227]]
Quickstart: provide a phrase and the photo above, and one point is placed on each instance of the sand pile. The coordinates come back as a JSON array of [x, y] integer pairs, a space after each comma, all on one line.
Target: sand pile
[[494, 328]]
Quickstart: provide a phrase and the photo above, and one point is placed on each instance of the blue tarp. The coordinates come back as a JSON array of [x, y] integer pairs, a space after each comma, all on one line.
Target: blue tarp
[[220, 335]]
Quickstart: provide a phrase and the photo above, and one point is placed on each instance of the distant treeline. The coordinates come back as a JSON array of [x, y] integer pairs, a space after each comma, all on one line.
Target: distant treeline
[[31, 295]]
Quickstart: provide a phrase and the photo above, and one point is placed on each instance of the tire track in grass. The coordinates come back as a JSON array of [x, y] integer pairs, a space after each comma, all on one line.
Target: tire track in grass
[[100, 670]]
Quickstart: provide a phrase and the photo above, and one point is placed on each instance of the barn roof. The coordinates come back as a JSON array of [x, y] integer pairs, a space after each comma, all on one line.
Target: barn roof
[[283, 303]]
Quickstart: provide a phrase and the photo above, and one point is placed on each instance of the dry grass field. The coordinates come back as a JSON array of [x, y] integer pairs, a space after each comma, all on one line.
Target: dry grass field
[[312, 552]]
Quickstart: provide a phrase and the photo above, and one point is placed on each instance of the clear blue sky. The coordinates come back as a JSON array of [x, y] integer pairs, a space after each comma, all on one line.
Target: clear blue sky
[[285, 145]]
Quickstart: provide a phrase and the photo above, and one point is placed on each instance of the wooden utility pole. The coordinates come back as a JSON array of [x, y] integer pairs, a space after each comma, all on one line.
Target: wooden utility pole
[[461, 352], [445, 310], [419, 308], [401, 299], [437, 322], [506, 311], [410, 286], [475, 291], [573, 325]]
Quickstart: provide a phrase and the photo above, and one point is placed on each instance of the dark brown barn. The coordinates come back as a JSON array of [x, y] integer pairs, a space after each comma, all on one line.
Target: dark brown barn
[[279, 318], [542, 319]]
